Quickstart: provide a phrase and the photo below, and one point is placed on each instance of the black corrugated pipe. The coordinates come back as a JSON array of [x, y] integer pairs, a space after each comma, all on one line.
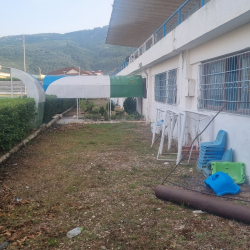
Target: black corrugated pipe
[[205, 203]]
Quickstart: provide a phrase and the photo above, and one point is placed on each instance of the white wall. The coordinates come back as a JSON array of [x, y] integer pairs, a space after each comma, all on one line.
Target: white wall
[[220, 28]]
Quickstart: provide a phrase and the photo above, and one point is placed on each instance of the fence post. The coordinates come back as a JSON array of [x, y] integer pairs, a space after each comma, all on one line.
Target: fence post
[[164, 29], [202, 2]]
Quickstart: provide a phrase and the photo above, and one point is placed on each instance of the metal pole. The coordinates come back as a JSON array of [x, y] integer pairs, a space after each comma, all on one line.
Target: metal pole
[[24, 63], [202, 2], [179, 125], [179, 16], [77, 108], [11, 86], [211, 205], [110, 108], [180, 141], [21, 90]]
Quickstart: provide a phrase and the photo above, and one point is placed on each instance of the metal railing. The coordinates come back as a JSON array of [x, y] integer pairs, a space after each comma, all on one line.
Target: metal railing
[[226, 80], [180, 15], [17, 89]]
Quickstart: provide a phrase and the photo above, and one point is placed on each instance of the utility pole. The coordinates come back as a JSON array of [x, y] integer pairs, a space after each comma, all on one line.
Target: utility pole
[[24, 64]]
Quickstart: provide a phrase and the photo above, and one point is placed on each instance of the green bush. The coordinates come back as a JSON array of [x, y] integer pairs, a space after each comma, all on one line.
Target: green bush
[[54, 105], [17, 117], [129, 105], [101, 110], [94, 111], [120, 112], [94, 117], [86, 105], [134, 116], [112, 106], [106, 116]]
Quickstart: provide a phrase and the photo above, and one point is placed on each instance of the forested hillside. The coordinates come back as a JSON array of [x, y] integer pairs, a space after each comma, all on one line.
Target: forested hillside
[[49, 52]]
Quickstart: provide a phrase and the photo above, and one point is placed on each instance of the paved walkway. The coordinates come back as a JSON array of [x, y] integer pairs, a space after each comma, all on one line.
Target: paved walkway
[[70, 119]]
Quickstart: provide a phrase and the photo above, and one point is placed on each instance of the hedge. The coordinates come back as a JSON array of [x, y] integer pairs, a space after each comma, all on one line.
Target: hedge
[[17, 117], [54, 105]]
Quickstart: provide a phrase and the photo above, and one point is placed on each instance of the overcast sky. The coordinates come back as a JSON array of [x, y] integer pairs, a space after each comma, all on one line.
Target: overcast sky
[[49, 16]]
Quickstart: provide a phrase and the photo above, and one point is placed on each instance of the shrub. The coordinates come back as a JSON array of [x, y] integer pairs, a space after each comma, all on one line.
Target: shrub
[[17, 117], [106, 116], [112, 106], [134, 116], [93, 117], [120, 112], [101, 110], [129, 105], [54, 105], [94, 111], [86, 105]]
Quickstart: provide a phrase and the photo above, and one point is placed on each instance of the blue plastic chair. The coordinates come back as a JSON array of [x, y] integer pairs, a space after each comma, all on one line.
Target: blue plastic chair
[[212, 151], [219, 142], [227, 156], [222, 183]]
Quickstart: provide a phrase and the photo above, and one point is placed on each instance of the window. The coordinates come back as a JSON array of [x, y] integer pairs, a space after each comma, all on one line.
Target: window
[[226, 80], [165, 87]]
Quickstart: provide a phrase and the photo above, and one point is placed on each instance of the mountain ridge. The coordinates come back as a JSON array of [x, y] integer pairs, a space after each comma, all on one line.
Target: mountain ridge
[[52, 51]]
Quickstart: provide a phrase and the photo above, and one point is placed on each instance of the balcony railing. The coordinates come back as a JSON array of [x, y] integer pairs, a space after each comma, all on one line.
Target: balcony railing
[[180, 15]]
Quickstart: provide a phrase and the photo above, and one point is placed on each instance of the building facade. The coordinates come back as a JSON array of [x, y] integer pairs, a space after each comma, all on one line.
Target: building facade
[[198, 60]]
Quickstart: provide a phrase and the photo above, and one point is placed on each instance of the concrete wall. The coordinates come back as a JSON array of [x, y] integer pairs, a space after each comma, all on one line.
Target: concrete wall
[[220, 28]]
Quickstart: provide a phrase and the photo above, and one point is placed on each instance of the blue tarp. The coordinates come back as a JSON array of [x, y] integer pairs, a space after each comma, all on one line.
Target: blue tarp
[[48, 80]]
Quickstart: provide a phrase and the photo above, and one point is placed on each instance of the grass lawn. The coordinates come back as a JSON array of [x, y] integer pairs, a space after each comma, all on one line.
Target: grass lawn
[[101, 177]]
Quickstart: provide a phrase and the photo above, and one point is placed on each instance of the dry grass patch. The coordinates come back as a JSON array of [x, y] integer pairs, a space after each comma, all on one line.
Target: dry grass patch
[[101, 177]]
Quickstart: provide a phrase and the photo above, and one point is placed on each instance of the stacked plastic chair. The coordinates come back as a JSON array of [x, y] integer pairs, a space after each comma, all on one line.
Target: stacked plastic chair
[[212, 151], [227, 157]]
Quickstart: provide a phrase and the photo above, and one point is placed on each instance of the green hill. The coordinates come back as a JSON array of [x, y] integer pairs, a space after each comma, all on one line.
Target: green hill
[[52, 51]]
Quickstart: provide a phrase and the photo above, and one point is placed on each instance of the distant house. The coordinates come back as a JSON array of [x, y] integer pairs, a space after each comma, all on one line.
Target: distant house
[[74, 71]]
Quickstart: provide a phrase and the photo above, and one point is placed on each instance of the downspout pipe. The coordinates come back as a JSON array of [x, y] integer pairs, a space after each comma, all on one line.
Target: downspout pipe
[[146, 73], [211, 205]]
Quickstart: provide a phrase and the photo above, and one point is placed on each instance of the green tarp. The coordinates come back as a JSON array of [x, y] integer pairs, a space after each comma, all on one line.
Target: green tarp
[[126, 86]]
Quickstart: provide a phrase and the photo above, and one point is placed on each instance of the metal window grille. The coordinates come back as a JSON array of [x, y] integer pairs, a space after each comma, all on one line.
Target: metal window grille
[[165, 87], [226, 80]]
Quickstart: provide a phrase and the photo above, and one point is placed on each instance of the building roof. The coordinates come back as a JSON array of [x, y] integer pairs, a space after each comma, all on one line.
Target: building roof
[[132, 22], [65, 71]]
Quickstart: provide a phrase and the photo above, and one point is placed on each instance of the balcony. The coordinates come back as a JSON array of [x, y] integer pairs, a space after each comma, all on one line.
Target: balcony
[[179, 16]]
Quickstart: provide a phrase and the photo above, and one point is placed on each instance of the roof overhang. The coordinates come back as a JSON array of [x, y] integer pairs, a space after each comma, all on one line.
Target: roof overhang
[[132, 22]]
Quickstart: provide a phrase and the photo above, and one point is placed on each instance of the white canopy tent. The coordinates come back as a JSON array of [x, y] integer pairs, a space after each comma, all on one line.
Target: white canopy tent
[[80, 87]]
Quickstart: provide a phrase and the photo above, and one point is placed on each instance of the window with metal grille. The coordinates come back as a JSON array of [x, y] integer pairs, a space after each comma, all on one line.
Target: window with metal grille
[[165, 87], [226, 80]]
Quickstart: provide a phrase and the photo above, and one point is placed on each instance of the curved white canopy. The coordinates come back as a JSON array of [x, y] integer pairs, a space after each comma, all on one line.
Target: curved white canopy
[[80, 87], [34, 88]]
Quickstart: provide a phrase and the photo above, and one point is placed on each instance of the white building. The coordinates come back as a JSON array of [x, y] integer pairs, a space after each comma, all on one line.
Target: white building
[[198, 60]]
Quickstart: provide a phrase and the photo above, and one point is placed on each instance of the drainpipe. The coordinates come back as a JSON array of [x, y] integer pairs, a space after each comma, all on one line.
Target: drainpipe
[[146, 73]]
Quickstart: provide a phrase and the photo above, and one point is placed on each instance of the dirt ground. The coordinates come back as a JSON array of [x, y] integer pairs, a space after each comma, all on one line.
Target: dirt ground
[[101, 177]]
